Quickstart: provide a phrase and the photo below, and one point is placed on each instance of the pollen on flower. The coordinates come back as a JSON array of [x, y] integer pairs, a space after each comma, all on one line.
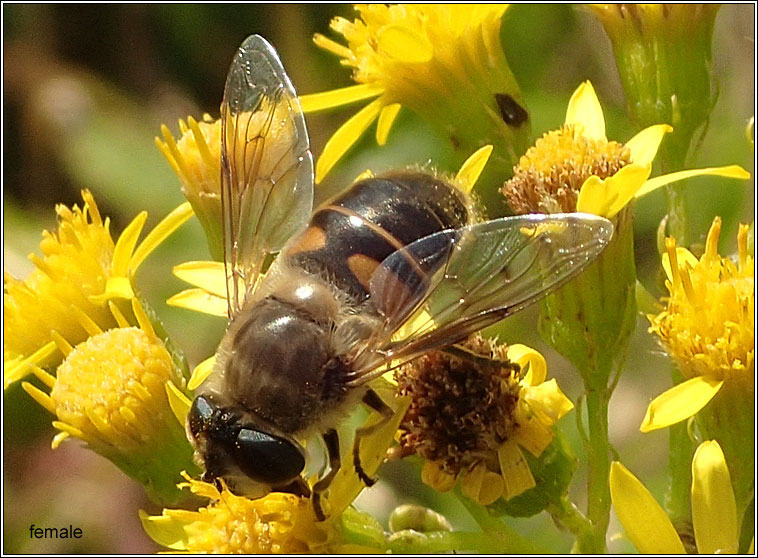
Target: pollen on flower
[[275, 524], [708, 324], [70, 294], [472, 409], [550, 174], [388, 38], [111, 392], [460, 411], [112, 389]]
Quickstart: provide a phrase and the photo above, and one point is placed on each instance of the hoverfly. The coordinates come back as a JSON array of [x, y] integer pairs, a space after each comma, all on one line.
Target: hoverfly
[[308, 335]]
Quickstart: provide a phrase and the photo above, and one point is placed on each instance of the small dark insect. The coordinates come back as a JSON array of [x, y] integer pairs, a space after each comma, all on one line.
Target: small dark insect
[[513, 113], [307, 336]]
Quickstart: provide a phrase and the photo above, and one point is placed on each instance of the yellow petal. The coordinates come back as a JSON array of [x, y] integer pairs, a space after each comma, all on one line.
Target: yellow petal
[[332, 46], [346, 484], [680, 402], [645, 522], [593, 196], [482, 485], [58, 439], [584, 109], [178, 402], [532, 434], [200, 301], [644, 146], [209, 276], [344, 138], [339, 97], [122, 253], [405, 44], [386, 119], [162, 230], [527, 357], [514, 469], [201, 372], [164, 530], [607, 197], [684, 258], [39, 396], [729, 171], [714, 512], [115, 287], [473, 167], [435, 476], [548, 402], [16, 369]]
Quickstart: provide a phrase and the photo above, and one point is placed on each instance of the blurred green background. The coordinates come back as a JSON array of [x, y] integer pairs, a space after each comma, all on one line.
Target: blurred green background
[[86, 88]]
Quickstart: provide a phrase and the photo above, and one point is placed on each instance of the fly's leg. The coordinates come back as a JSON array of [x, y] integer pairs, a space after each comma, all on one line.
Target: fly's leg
[[332, 442], [373, 401]]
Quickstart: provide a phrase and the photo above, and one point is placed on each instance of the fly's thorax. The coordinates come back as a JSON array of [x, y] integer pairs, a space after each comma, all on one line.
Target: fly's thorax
[[277, 360]]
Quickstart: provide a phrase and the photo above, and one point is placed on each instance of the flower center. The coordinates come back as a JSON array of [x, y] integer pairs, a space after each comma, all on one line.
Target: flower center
[[708, 323], [461, 410], [551, 173], [112, 388]]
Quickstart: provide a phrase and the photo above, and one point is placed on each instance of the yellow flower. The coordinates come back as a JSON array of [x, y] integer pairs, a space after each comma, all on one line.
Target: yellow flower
[[576, 168], [67, 294], [111, 392], [196, 159], [472, 417], [714, 513], [707, 326], [444, 62], [275, 524]]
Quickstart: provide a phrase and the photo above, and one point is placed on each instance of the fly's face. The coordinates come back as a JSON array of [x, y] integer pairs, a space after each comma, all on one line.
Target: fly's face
[[233, 448]]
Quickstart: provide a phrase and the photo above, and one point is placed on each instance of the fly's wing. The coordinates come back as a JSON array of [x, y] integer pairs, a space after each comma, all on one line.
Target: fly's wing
[[266, 165], [446, 286]]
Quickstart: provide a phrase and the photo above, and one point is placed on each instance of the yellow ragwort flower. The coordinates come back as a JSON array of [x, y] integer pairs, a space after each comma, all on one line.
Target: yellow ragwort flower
[[196, 159], [67, 294], [707, 326], [576, 168], [714, 513], [472, 419], [111, 392], [275, 524], [443, 61]]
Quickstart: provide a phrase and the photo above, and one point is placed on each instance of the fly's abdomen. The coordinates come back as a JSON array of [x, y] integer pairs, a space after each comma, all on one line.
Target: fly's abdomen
[[352, 234]]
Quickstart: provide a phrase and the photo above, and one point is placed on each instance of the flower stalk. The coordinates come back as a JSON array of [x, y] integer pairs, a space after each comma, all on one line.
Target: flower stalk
[[589, 321]]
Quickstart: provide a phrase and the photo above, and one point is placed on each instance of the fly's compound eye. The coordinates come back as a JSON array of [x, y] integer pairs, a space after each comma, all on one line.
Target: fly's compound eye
[[266, 458], [200, 416]]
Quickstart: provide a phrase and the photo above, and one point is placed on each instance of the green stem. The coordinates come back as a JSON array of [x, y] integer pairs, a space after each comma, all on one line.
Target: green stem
[[568, 515], [681, 450], [678, 223], [599, 465]]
